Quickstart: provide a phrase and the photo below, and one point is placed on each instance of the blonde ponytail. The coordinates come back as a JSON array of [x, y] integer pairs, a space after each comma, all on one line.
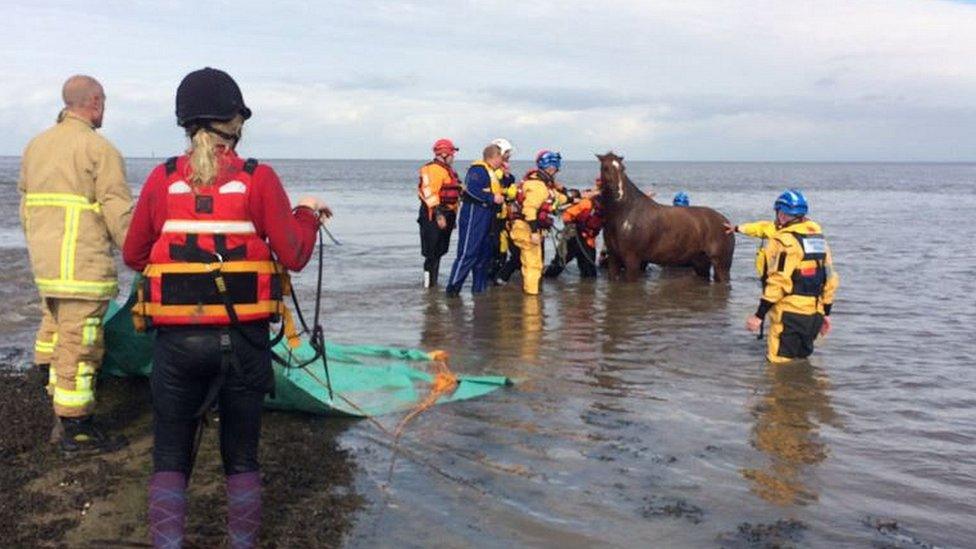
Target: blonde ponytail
[[204, 144]]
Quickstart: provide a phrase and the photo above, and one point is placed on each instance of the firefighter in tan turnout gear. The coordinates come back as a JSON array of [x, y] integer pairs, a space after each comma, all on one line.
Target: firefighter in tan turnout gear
[[75, 205]]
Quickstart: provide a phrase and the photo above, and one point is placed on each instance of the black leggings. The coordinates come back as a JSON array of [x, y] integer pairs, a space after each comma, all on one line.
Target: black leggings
[[185, 363]]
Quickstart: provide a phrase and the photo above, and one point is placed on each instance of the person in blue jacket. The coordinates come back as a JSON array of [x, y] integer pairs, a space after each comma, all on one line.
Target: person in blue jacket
[[682, 199], [475, 250]]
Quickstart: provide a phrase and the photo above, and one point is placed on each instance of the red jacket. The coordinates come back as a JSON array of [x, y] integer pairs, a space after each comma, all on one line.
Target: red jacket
[[291, 235]]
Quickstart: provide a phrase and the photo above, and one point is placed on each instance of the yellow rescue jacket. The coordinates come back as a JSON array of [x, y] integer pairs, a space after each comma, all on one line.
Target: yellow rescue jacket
[[800, 277], [495, 187], [74, 205]]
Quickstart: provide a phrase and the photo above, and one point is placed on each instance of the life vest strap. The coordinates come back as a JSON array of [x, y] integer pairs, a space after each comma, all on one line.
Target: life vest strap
[[250, 165], [260, 267], [211, 313]]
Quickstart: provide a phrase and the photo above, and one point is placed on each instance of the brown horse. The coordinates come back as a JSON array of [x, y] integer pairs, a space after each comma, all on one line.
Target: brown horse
[[638, 229]]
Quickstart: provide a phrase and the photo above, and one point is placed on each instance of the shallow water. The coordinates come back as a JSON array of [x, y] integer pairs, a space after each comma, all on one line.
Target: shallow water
[[643, 414]]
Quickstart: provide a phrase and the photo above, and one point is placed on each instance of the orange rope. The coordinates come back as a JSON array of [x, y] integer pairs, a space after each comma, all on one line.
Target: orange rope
[[444, 383]]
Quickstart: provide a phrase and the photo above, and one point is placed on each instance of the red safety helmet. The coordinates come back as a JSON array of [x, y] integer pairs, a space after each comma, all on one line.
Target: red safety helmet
[[444, 146]]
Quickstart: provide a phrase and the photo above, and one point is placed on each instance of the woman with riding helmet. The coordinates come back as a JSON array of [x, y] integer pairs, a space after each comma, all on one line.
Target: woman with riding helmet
[[213, 234]]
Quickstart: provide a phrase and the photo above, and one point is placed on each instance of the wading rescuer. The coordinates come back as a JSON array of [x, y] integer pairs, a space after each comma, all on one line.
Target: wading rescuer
[[440, 191], [499, 229], [532, 214], [582, 223], [213, 234], [475, 249], [75, 205], [798, 279]]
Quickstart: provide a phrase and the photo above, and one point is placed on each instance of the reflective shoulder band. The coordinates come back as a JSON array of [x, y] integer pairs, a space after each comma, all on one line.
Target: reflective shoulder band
[[207, 227]]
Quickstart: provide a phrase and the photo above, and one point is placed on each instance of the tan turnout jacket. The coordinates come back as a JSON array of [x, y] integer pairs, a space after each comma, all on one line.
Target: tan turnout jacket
[[74, 205]]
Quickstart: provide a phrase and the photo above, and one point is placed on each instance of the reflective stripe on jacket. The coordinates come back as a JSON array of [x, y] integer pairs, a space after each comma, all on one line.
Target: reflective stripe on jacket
[[438, 186], [75, 204]]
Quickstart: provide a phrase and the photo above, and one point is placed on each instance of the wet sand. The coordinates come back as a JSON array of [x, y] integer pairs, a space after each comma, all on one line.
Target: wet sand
[[99, 501]]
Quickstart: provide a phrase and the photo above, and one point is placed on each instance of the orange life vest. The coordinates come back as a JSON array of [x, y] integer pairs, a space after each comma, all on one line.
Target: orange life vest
[[589, 222], [449, 192], [209, 266]]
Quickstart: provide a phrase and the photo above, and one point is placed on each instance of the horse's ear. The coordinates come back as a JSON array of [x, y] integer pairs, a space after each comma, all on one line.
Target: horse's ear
[[599, 157], [620, 158]]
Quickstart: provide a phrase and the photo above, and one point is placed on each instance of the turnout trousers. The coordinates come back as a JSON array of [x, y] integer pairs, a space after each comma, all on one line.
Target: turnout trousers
[[70, 339]]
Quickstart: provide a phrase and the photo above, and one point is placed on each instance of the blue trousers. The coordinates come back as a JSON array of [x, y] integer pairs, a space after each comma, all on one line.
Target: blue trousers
[[475, 250]]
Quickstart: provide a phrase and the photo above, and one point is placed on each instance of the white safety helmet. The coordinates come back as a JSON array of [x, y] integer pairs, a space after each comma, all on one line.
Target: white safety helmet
[[504, 144]]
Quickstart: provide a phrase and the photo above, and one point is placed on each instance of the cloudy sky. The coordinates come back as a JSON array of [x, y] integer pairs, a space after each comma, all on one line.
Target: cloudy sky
[[655, 80]]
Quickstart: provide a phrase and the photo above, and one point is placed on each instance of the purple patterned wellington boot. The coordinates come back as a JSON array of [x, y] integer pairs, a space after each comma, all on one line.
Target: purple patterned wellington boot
[[243, 509], [167, 509]]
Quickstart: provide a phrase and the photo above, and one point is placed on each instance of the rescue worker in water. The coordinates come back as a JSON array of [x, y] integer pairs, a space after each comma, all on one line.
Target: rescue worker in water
[[582, 222], [798, 279], [475, 249], [213, 235], [499, 226], [532, 214], [439, 190], [75, 206]]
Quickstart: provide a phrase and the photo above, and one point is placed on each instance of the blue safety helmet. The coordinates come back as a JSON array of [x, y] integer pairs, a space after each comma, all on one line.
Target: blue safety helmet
[[548, 159], [791, 202], [681, 199]]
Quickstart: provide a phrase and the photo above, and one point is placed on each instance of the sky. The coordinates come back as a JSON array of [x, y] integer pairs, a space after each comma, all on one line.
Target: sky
[[846, 80]]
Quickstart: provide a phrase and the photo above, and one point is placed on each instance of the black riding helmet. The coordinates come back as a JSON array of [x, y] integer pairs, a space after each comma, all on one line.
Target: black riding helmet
[[209, 94]]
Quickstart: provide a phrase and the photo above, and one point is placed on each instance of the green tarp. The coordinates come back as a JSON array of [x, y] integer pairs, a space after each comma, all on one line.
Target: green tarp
[[367, 380]]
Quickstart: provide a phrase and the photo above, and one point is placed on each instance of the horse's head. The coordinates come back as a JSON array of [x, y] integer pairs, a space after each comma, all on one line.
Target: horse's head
[[612, 177]]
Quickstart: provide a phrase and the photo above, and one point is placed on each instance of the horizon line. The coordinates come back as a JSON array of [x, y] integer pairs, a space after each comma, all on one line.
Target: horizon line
[[660, 161]]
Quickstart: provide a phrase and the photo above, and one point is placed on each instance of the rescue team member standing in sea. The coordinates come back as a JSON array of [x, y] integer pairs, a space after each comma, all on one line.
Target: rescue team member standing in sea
[[475, 249], [75, 205], [532, 215], [439, 190], [499, 230], [799, 280], [213, 234], [582, 223]]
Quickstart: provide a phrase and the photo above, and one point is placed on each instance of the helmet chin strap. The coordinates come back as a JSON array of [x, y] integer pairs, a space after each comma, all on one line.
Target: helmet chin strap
[[790, 221], [233, 138]]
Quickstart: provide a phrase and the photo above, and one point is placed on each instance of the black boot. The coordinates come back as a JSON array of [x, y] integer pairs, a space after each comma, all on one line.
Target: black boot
[[82, 436]]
